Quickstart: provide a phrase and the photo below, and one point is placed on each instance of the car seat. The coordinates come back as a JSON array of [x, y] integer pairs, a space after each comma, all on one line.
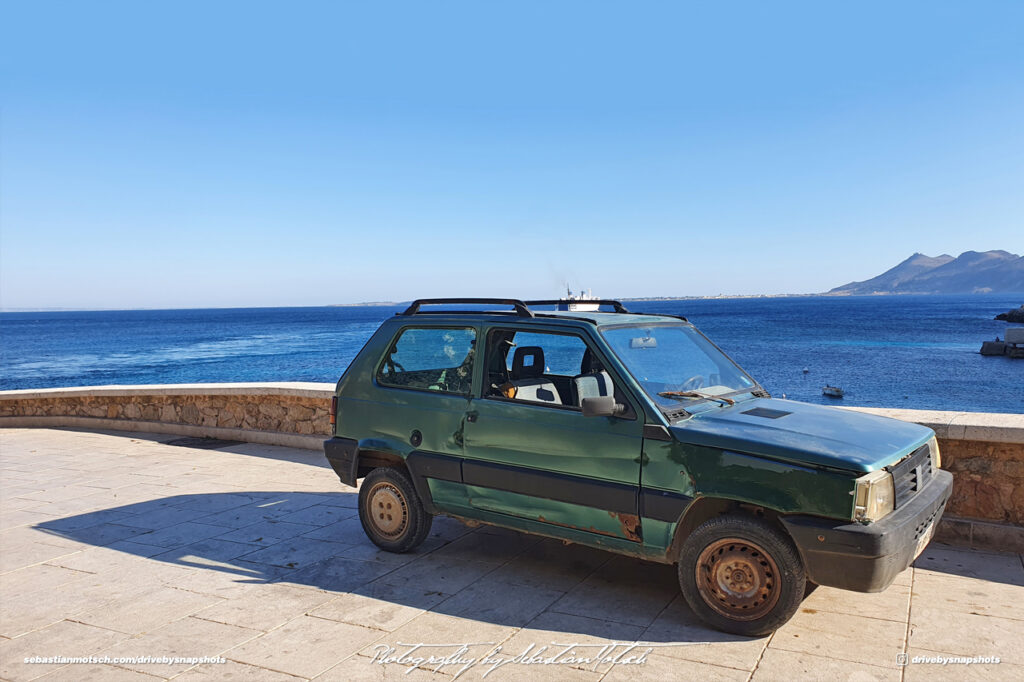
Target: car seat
[[528, 376]]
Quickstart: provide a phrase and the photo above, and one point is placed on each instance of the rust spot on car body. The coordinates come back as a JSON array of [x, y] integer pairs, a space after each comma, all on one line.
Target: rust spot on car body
[[569, 525], [630, 524]]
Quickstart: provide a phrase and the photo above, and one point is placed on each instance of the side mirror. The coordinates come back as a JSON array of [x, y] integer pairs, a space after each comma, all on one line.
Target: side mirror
[[601, 406]]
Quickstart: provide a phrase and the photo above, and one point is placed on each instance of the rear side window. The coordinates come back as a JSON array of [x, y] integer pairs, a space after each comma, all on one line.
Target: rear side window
[[431, 359]]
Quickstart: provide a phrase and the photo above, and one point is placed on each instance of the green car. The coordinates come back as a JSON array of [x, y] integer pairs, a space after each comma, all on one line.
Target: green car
[[636, 434]]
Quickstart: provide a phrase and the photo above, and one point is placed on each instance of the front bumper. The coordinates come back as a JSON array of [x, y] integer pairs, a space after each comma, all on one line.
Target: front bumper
[[867, 558]]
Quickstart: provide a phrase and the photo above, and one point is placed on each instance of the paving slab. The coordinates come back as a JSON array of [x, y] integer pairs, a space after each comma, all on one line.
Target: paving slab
[[146, 608], [232, 671], [960, 594], [689, 639], [657, 667], [305, 646], [265, 607], [184, 638], [368, 612], [551, 633], [779, 664], [973, 634], [990, 566], [625, 590], [843, 636], [892, 604], [64, 638], [115, 544]]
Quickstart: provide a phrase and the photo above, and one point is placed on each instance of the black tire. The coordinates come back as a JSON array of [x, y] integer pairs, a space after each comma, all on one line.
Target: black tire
[[391, 512], [741, 575]]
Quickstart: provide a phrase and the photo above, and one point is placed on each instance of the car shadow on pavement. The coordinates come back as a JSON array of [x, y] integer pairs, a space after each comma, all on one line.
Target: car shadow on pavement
[[315, 540], [995, 567]]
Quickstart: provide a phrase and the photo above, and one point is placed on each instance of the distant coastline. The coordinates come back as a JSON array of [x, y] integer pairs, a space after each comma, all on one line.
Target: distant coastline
[[392, 304], [724, 297]]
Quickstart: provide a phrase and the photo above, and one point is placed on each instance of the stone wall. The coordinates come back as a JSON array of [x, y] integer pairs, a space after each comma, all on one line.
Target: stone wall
[[988, 479], [985, 452], [283, 413], [295, 414]]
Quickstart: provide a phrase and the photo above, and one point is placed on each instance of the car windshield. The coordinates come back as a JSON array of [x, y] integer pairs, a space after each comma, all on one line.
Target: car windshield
[[676, 365]]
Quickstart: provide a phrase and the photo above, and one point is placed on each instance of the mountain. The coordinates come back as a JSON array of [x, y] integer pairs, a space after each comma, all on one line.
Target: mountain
[[970, 272], [917, 264]]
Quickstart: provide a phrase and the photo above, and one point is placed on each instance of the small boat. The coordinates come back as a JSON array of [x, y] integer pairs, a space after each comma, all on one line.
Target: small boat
[[832, 391]]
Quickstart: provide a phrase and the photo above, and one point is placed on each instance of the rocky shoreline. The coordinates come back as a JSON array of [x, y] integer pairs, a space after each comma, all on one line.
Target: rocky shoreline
[[1015, 316]]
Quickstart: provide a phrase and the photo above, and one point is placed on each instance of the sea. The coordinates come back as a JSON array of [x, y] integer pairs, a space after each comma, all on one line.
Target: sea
[[915, 352]]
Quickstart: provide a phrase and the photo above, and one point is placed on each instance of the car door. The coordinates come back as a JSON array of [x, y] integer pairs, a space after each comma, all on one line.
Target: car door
[[425, 380], [530, 452]]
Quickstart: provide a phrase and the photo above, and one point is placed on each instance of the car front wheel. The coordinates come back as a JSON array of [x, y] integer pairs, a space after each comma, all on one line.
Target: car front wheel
[[391, 512], [741, 575]]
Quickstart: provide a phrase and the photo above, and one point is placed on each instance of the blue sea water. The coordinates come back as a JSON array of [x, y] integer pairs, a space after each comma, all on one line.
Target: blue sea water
[[916, 352]]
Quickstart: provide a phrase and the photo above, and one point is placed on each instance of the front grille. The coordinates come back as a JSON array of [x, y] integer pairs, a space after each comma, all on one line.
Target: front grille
[[911, 474]]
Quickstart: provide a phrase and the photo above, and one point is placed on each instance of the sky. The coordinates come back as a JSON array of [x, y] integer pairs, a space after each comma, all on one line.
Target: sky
[[198, 154]]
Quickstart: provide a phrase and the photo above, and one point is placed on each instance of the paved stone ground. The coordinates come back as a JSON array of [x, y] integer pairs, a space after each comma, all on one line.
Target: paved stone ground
[[118, 545]]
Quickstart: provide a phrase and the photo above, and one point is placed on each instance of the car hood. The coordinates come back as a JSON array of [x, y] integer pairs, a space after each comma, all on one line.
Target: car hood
[[805, 434]]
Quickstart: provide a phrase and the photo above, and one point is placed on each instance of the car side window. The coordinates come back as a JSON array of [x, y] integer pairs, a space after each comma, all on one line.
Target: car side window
[[431, 359], [535, 367], [563, 353]]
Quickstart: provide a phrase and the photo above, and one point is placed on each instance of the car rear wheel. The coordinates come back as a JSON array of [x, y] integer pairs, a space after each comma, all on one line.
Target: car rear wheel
[[741, 575], [391, 512]]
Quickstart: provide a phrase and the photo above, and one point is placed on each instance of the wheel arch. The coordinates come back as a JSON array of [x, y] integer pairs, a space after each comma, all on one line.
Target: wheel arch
[[370, 458], [706, 508], [374, 454]]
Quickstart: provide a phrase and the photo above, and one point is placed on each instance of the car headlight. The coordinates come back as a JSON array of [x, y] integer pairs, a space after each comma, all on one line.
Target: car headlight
[[933, 447], [875, 496]]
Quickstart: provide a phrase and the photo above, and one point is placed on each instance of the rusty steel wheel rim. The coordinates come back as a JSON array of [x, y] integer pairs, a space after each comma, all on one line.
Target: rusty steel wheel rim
[[388, 510], [738, 579]]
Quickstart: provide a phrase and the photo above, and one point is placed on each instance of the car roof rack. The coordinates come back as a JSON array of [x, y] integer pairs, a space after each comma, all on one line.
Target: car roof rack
[[521, 308], [616, 306]]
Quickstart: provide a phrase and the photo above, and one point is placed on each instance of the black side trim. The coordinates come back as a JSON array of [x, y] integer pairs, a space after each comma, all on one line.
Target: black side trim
[[662, 505], [432, 465], [341, 455], [620, 498], [656, 432]]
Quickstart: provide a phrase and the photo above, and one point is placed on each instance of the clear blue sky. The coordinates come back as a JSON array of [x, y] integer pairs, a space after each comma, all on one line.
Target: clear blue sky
[[234, 154]]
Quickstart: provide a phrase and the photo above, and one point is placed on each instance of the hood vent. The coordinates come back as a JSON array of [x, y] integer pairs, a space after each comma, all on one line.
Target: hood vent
[[766, 413]]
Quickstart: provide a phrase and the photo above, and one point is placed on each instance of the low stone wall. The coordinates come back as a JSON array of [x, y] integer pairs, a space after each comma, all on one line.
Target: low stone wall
[[292, 414], [985, 452]]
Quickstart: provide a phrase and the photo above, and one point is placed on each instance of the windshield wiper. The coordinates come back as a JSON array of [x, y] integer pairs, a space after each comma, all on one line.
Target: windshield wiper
[[697, 394]]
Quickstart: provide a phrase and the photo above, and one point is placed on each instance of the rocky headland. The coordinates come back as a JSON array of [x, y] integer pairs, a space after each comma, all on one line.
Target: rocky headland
[[1016, 316]]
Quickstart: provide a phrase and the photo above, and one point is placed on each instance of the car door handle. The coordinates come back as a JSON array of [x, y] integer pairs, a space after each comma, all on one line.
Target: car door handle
[[471, 417]]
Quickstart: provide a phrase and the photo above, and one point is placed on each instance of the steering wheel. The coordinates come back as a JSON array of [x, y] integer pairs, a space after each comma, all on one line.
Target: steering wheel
[[693, 383]]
